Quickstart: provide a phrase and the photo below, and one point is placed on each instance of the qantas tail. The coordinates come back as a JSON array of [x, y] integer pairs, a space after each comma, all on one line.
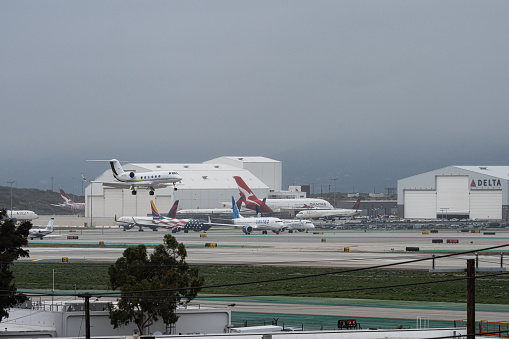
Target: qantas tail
[[173, 210], [155, 213], [357, 204], [64, 196], [244, 190]]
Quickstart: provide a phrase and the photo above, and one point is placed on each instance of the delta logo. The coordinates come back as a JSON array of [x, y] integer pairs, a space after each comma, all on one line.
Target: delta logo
[[485, 183]]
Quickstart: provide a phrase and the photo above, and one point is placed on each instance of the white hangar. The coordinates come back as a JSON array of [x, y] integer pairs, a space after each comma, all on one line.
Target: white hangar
[[475, 192], [205, 185]]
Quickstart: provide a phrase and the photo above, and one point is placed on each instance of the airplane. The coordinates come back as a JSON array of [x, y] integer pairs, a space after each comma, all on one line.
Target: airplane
[[42, 232], [249, 225], [276, 205], [175, 224], [331, 214], [69, 204], [128, 222], [298, 225], [21, 215], [148, 180]]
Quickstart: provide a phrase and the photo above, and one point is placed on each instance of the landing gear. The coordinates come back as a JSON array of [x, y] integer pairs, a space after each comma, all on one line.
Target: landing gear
[[133, 192], [264, 232], [151, 192]]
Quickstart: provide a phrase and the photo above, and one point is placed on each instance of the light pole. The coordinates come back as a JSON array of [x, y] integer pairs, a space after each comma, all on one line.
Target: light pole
[[334, 179], [11, 182]]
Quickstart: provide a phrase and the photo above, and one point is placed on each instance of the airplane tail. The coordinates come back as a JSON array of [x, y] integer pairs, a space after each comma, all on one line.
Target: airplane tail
[[357, 204], [116, 168], [173, 210], [236, 214], [49, 227], [244, 188], [64, 196], [155, 213]]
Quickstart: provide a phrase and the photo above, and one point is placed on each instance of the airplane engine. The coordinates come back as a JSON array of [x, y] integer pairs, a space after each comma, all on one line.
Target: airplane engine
[[127, 226], [176, 229], [131, 175], [247, 229]]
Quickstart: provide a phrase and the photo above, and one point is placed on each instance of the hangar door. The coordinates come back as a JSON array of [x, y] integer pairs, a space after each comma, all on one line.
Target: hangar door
[[486, 204], [453, 195], [420, 204]]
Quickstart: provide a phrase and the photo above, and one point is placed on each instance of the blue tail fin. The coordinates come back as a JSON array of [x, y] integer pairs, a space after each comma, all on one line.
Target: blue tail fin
[[236, 214], [173, 211]]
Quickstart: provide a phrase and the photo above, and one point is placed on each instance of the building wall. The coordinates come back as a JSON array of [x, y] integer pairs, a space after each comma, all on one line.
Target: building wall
[[455, 191]]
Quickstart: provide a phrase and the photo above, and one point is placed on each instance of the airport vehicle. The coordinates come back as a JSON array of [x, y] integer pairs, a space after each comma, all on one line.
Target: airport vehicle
[[42, 232], [69, 204], [21, 215], [275, 205], [331, 214], [263, 224], [147, 180]]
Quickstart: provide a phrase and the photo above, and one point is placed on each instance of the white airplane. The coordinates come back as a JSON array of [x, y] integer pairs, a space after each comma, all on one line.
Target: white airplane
[[42, 232], [300, 225], [263, 224], [276, 205], [147, 180], [24, 215], [330, 214], [69, 204]]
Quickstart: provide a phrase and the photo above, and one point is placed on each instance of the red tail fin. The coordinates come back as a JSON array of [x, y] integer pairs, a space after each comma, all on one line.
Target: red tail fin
[[357, 204], [173, 210]]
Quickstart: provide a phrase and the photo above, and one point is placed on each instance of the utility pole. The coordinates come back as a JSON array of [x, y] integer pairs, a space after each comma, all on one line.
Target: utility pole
[[87, 297], [11, 182], [470, 298]]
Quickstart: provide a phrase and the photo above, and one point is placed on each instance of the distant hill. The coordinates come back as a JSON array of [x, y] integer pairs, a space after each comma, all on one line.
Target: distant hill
[[34, 199]]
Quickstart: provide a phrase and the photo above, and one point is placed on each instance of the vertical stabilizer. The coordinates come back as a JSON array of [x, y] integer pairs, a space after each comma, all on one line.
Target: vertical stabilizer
[[173, 211], [236, 214], [357, 204], [49, 227], [155, 213], [116, 168]]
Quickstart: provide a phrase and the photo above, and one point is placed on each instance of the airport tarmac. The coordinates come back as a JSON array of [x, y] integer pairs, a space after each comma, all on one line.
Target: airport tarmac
[[323, 249], [313, 249]]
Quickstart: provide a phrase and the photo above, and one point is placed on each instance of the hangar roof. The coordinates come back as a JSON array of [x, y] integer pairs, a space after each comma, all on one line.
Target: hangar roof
[[196, 176], [501, 172]]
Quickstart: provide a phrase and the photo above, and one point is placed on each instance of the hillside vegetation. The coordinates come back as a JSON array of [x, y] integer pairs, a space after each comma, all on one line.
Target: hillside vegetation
[[33, 199]]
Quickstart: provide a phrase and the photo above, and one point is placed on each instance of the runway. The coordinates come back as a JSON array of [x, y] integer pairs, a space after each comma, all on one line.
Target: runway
[[322, 249], [326, 249]]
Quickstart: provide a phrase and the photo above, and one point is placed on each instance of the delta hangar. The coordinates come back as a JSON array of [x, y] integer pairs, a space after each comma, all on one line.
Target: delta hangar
[[461, 192]]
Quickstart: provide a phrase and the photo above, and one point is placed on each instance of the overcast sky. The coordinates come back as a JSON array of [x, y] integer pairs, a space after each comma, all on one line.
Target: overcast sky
[[366, 92]]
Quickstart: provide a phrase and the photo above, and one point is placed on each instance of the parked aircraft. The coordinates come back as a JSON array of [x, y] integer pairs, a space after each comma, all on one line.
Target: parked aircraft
[[330, 214], [128, 222], [147, 180], [69, 204], [263, 224], [41, 232], [175, 224], [275, 205], [300, 225], [21, 215]]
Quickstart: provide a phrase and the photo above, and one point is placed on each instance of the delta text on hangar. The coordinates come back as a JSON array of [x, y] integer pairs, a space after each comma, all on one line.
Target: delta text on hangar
[[204, 185], [475, 192]]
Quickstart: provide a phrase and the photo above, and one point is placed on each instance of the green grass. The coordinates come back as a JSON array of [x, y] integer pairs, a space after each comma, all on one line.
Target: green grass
[[365, 284]]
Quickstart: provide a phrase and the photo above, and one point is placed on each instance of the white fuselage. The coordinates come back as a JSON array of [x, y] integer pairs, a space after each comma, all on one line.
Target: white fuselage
[[277, 205], [261, 224], [149, 178], [298, 224], [317, 214], [22, 215]]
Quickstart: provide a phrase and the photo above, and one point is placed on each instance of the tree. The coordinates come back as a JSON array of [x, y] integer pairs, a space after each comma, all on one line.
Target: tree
[[151, 287], [12, 239]]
